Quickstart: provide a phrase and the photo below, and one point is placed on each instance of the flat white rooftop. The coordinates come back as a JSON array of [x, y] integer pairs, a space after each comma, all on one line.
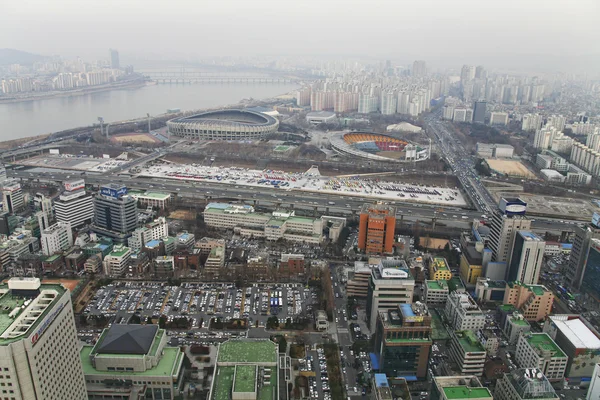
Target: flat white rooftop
[[578, 334]]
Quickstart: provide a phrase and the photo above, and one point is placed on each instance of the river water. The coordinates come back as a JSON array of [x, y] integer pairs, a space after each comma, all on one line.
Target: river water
[[30, 118]]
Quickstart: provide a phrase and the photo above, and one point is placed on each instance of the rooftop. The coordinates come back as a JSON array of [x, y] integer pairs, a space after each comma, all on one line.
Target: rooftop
[[466, 392], [576, 332], [247, 351], [127, 339], [440, 264], [9, 301], [119, 251], [518, 321], [437, 285], [469, 342], [167, 366], [543, 343], [245, 378]]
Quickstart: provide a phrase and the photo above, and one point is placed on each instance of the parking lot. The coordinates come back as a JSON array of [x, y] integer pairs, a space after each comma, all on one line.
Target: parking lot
[[200, 302]]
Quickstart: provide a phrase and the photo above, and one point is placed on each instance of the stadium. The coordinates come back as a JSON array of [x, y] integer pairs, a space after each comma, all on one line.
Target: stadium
[[377, 147], [224, 125]]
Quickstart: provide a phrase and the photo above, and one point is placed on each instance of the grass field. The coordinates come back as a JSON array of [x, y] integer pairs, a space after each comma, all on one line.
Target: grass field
[[134, 138], [281, 148], [510, 167]]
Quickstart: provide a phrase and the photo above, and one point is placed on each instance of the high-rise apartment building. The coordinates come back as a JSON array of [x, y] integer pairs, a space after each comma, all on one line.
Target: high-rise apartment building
[[376, 228], [388, 103], [114, 59], [39, 348], [115, 212], [526, 259], [467, 74], [419, 68], [57, 238], [531, 122], [391, 284], [499, 118], [479, 110], [580, 251], [557, 121], [403, 340], [74, 205]]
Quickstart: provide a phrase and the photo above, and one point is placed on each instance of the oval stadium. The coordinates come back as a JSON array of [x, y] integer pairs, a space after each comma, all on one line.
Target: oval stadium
[[224, 125], [377, 147]]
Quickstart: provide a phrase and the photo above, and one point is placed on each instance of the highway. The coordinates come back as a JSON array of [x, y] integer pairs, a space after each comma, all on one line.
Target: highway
[[317, 202]]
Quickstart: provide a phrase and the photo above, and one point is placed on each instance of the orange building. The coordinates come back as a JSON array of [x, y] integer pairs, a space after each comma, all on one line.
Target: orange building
[[376, 229], [534, 301]]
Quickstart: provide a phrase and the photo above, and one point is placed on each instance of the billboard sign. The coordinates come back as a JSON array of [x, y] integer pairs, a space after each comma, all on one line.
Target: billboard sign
[[37, 335], [113, 192], [74, 185]]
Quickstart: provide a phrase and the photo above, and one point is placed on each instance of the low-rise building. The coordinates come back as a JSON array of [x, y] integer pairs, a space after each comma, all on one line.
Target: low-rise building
[[467, 352], [206, 244], [489, 340], [164, 266], [436, 292], [57, 238], [538, 350], [133, 361], [321, 321], [524, 384], [533, 301], [152, 199], [463, 313], [214, 263], [463, 387], [438, 269], [514, 326], [358, 280], [116, 262], [488, 290]]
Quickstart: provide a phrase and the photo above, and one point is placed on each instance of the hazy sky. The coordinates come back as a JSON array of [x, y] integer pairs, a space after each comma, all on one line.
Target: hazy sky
[[467, 30]]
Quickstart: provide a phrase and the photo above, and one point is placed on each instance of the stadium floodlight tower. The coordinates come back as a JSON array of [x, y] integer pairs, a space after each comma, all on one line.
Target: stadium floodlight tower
[[101, 120]]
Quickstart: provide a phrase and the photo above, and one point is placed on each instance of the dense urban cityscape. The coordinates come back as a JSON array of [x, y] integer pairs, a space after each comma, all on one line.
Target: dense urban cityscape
[[388, 229]]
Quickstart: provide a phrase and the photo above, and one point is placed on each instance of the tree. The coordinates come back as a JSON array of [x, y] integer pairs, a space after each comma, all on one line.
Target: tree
[[272, 322], [282, 344], [162, 322], [135, 319]]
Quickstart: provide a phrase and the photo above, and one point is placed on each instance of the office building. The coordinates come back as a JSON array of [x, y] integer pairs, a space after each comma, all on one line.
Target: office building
[[206, 244], [526, 259], [281, 224], [57, 238], [391, 284], [114, 59], [133, 362], [115, 213], [75, 207], [467, 352], [376, 228], [472, 260], [438, 269], [590, 282], [115, 263], [460, 387], [436, 292], [579, 340], [533, 301], [499, 119], [514, 326], [538, 350], [247, 369], [39, 348], [463, 313], [358, 280], [581, 249], [524, 384], [214, 263], [505, 224], [155, 230], [479, 111], [487, 290], [403, 340], [594, 388], [13, 198]]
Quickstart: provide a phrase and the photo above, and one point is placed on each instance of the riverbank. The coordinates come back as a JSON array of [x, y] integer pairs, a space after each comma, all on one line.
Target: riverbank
[[137, 83]]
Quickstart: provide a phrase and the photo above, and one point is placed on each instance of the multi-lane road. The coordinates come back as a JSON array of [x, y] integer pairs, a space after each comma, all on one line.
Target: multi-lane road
[[308, 201]]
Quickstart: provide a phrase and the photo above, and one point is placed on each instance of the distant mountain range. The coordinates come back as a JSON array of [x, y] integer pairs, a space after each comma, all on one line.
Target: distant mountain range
[[12, 56]]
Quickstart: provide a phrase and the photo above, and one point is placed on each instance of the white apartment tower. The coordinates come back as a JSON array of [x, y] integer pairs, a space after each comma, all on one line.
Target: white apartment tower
[[39, 349], [57, 238]]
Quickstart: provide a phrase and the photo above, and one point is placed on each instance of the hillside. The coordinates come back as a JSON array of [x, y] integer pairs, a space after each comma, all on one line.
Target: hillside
[[12, 56]]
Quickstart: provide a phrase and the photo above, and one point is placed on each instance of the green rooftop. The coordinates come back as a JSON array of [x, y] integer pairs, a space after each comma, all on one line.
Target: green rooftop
[[168, 365], [8, 303], [155, 195], [119, 251], [466, 392], [519, 321], [543, 343], [52, 258], [247, 351], [223, 383], [419, 341], [245, 378], [441, 284], [537, 290], [469, 342], [276, 222], [507, 308]]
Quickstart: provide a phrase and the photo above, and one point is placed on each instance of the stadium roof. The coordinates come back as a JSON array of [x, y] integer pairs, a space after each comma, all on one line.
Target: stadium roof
[[128, 339]]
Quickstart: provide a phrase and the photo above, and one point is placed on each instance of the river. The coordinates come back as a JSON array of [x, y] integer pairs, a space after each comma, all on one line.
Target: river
[[36, 117]]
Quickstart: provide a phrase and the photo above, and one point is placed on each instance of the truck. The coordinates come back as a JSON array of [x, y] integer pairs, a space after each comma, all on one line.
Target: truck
[[331, 203]]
